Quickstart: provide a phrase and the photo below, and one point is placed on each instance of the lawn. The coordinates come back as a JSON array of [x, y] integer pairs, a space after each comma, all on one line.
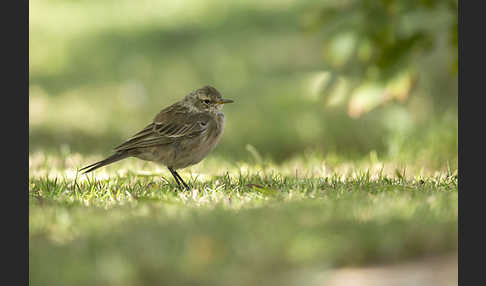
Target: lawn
[[241, 224]]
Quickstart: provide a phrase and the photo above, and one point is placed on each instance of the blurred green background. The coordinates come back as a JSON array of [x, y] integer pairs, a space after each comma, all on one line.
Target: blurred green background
[[334, 77]]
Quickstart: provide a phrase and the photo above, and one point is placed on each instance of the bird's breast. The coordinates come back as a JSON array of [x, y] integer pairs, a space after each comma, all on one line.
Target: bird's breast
[[220, 121], [192, 151], [213, 133]]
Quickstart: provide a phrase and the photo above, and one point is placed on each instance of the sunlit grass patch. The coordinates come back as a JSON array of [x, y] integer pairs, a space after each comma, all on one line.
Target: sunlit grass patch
[[129, 224]]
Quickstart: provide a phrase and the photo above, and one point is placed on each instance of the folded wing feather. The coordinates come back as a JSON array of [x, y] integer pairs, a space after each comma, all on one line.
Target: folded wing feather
[[168, 129]]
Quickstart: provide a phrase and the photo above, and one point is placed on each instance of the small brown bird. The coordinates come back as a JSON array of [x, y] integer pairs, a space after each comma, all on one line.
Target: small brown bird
[[179, 136]]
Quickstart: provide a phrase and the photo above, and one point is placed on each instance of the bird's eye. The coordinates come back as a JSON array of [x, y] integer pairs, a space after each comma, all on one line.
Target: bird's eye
[[207, 101]]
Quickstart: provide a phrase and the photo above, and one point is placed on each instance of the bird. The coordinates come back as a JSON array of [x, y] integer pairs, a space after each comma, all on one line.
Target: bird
[[179, 136]]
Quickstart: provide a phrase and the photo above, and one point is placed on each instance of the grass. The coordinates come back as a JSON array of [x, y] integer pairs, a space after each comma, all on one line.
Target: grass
[[241, 224]]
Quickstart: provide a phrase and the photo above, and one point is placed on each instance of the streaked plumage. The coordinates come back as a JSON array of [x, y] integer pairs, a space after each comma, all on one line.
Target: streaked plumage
[[179, 136]]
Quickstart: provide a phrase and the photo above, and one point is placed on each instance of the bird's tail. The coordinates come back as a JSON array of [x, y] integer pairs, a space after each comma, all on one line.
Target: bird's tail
[[113, 158]]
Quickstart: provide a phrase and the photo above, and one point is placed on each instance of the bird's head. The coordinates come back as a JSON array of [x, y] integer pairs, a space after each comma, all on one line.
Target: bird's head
[[207, 98]]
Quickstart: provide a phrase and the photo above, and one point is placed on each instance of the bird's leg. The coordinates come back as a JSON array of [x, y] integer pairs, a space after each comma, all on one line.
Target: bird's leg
[[182, 181], [175, 176]]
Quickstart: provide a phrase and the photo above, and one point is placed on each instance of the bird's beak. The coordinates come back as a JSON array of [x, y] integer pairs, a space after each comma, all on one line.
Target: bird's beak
[[223, 101]]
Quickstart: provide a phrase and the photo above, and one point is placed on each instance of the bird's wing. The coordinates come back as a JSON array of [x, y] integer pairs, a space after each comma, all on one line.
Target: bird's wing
[[171, 125]]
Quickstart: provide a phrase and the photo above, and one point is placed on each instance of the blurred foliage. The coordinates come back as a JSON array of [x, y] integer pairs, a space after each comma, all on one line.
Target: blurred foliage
[[346, 77], [384, 42]]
